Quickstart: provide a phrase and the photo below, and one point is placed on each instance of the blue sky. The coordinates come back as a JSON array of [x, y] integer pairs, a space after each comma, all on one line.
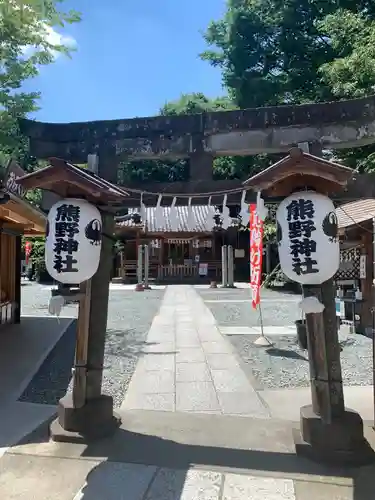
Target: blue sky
[[132, 56]]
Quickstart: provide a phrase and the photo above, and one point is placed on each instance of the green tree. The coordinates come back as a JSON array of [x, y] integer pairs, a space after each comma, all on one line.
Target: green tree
[[27, 43], [271, 51], [196, 103], [296, 51], [352, 36], [352, 72], [223, 168], [170, 171]]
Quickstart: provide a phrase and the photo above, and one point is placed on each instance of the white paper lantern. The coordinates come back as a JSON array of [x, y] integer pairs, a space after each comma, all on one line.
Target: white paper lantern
[[73, 241], [307, 235]]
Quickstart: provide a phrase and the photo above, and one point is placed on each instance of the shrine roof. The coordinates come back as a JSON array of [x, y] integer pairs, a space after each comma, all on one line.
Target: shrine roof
[[201, 213], [355, 212], [67, 180], [298, 162]]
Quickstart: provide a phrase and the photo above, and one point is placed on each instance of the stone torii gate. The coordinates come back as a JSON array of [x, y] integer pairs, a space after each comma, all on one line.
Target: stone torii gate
[[201, 137]]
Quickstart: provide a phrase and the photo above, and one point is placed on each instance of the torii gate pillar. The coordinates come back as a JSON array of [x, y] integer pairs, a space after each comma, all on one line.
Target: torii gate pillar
[[328, 432]]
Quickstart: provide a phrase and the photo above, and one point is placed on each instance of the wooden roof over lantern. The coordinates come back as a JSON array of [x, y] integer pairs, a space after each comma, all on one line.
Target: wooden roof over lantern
[[69, 181], [17, 214], [300, 170]]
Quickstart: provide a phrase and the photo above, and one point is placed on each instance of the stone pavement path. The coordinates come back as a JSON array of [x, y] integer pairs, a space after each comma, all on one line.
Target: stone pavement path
[[193, 428], [26, 478], [188, 365]]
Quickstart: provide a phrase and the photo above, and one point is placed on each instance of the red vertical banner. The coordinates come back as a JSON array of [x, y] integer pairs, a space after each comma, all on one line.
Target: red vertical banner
[[28, 248], [256, 255]]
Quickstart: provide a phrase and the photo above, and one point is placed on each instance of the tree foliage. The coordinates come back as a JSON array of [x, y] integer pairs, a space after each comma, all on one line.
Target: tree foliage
[[352, 72], [223, 167], [296, 51], [26, 44], [170, 171], [196, 103]]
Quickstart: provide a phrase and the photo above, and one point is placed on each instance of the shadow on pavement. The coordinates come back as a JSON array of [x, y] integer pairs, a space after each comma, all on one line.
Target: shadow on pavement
[[129, 447], [285, 353]]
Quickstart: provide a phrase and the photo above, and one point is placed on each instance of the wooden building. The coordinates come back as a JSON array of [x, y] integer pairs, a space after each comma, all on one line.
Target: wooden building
[[17, 218], [356, 273], [182, 247]]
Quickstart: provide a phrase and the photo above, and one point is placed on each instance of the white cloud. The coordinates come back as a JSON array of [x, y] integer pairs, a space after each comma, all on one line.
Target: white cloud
[[54, 38], [50, 35]]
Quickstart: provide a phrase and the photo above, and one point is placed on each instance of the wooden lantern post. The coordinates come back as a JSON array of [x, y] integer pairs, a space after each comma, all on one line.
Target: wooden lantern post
[[328, 431], [85, 414]]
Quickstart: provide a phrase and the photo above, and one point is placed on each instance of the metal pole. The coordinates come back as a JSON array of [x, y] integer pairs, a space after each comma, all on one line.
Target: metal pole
[[147, 254], [230, 261], [224, 265], [139, 265]]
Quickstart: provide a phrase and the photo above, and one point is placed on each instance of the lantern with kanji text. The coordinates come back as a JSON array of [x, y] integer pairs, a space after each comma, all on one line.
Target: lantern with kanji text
[[307, 236], [73, 241]]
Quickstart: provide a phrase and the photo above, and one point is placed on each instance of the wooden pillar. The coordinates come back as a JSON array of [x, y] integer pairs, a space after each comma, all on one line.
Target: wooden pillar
[[329, 432], [366, 282], [324, 354], [94, 418], [201, 164], [17, 278]]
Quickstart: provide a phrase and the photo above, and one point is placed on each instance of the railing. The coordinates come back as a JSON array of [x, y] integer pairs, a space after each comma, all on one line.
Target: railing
[[175, 271], [179, 271]]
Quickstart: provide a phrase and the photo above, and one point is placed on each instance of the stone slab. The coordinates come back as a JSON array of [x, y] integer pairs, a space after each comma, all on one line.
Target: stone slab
[[172, 484], [244, 445], [159, 347], [196, 396], [238, 487], [41, 478], [218, 347], [116, 481], [254, 330], [192, 372], [278, 401], [239, 403], [155, 362], [222, 361], [231, 380], [317, 490], [154, 382], [159, 402], [190, 355], [196, 363]]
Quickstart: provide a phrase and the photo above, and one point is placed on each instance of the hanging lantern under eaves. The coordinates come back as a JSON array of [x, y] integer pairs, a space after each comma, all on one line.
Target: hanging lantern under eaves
[[73, 241], [307, 237]]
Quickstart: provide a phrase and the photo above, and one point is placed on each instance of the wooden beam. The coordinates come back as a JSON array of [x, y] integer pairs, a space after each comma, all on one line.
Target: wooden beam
[[17, 227], [21, 213]]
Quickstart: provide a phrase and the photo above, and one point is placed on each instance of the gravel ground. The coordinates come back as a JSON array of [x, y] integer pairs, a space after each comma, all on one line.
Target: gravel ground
[[130, 316], [285, 365], [278, 308]]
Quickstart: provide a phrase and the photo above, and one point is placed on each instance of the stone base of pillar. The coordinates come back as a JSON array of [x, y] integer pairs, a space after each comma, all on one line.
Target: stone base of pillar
[[95, 420], [340, 443], [139, 287]]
